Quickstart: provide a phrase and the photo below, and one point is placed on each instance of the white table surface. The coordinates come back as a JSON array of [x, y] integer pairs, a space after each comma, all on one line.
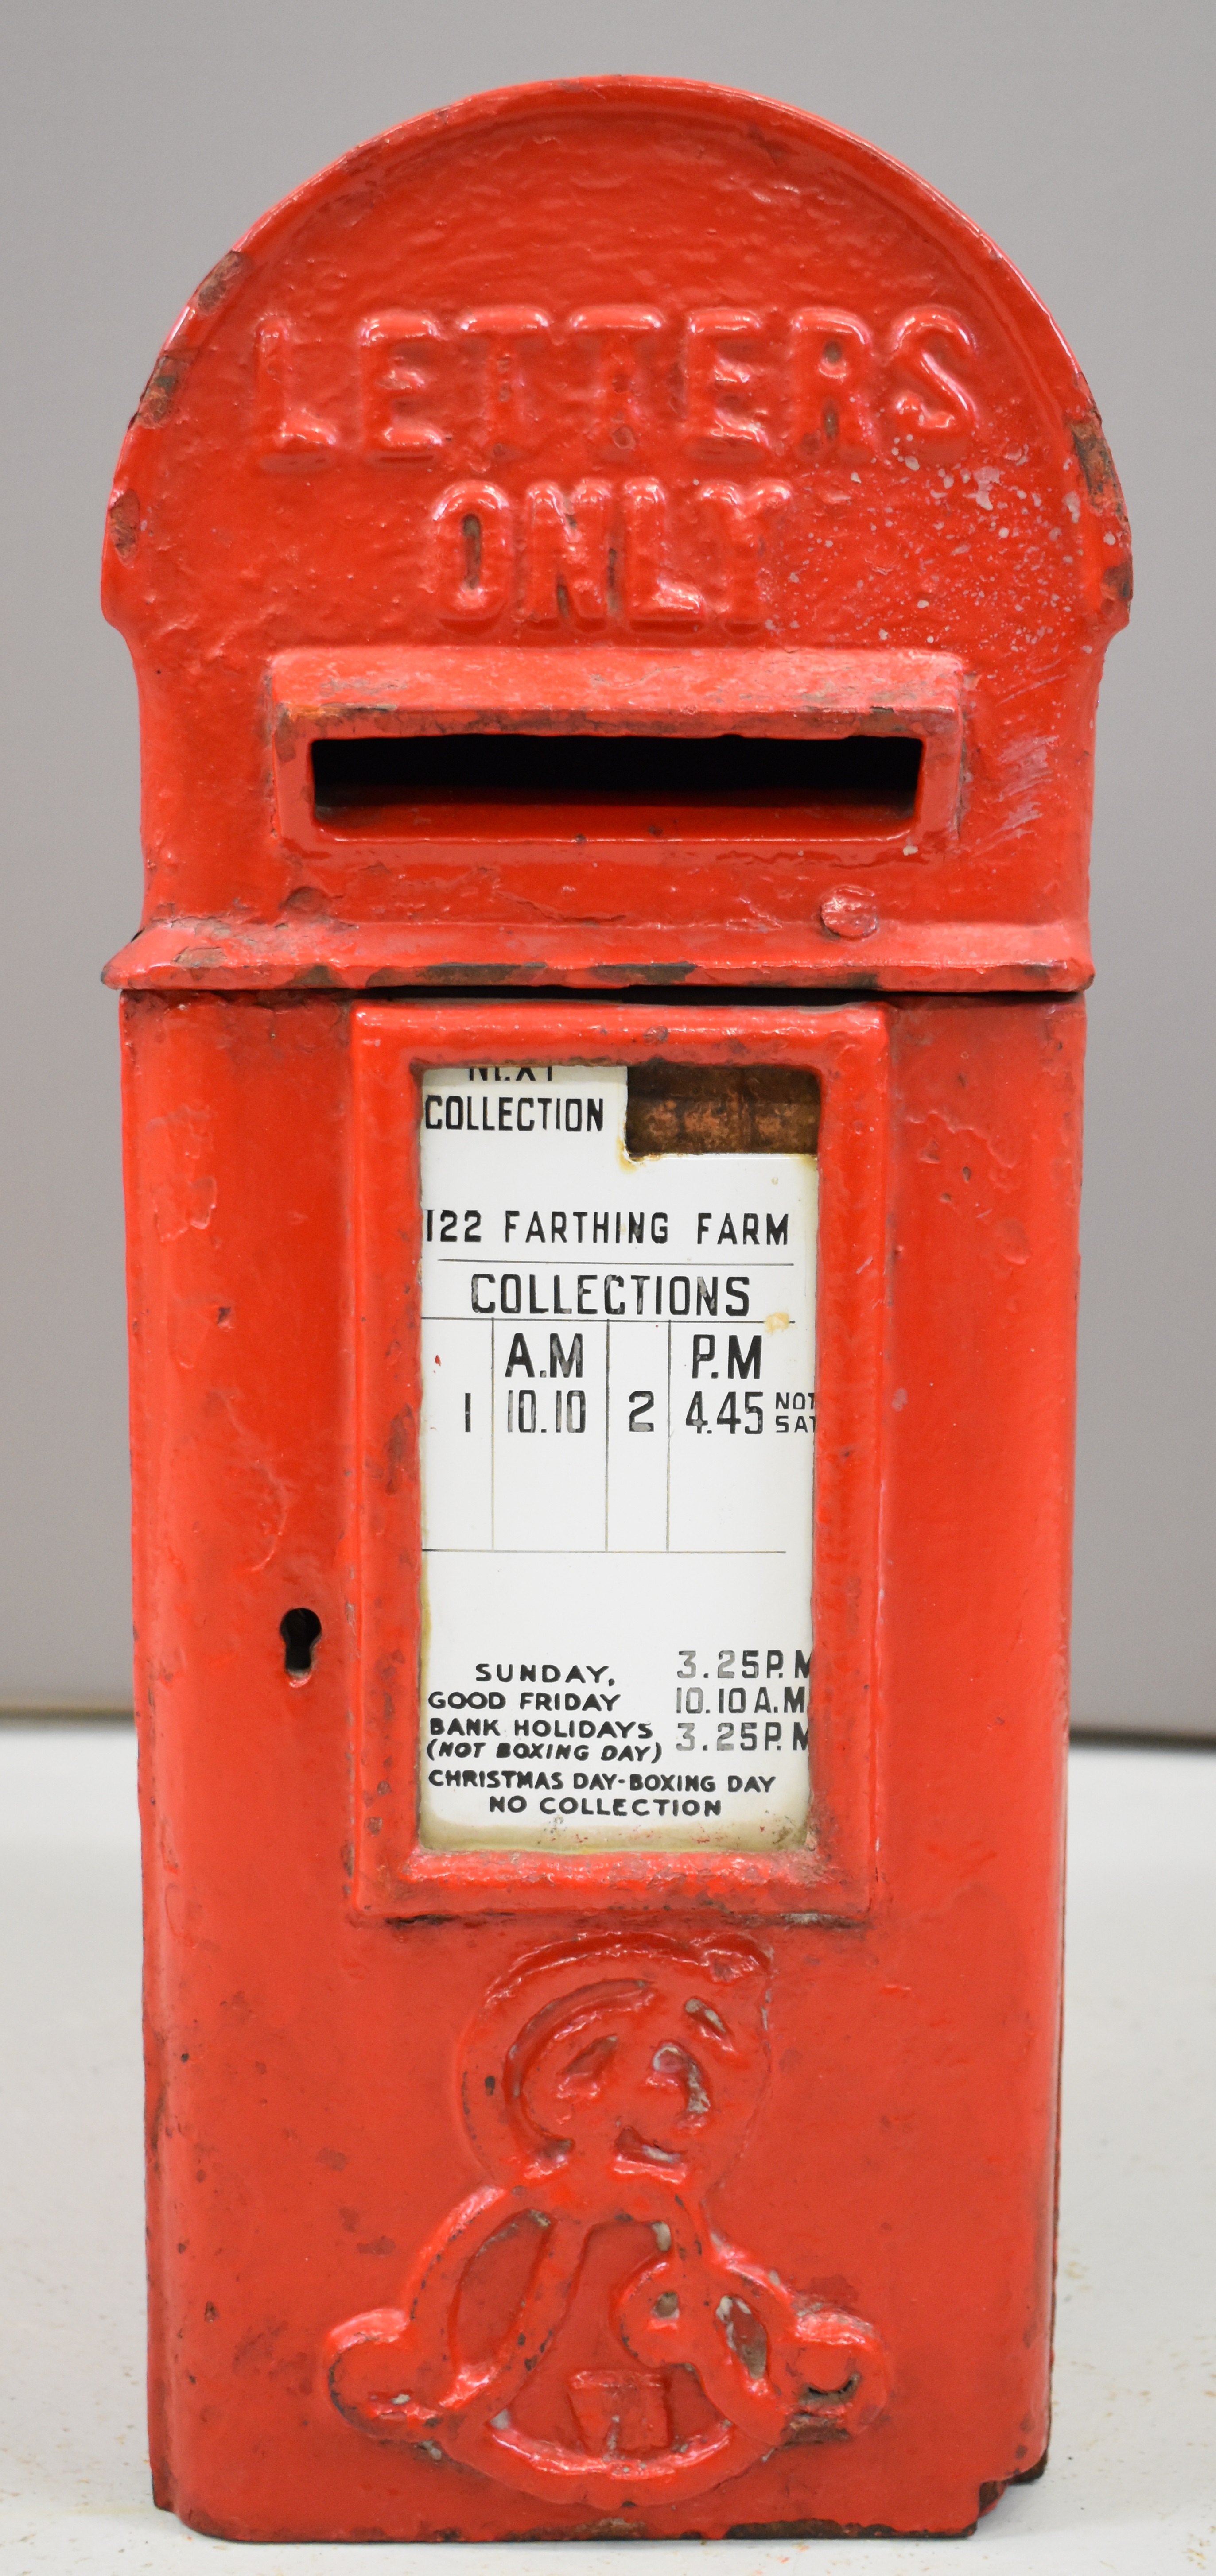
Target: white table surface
[[1131, 2484]]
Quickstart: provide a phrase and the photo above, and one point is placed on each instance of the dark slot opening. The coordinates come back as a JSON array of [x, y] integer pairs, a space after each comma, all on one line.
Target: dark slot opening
[[721, 1109], [299, 1630], [874, 775]]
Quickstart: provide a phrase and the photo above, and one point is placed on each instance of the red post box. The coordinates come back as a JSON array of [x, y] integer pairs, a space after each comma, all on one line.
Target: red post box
[[618, 575]]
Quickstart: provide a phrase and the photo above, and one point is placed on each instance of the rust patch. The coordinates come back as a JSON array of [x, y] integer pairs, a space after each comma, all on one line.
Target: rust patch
[[1027, 2477], [721, 1109], [220, 280], [808, 2530], [462, 970], [641, 972], [399, 1448], [122, 520], [1097, 465], [163, 387], [317, 973]]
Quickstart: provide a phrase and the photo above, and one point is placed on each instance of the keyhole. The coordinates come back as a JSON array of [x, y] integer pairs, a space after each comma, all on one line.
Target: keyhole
[[299, 1630]]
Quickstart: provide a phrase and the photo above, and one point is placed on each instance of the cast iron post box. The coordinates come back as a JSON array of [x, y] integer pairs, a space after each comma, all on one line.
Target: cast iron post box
[[618, 575]]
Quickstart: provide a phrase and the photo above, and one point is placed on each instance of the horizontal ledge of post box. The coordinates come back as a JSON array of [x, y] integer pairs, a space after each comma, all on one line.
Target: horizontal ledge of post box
[[618, 689], [903, 957]]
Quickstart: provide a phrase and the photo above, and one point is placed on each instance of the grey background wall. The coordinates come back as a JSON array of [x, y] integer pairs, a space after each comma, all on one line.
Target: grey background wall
[[145, 135]]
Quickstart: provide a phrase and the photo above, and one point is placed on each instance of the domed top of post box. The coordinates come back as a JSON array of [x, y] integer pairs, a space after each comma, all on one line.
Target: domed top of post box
[[609, 531]]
